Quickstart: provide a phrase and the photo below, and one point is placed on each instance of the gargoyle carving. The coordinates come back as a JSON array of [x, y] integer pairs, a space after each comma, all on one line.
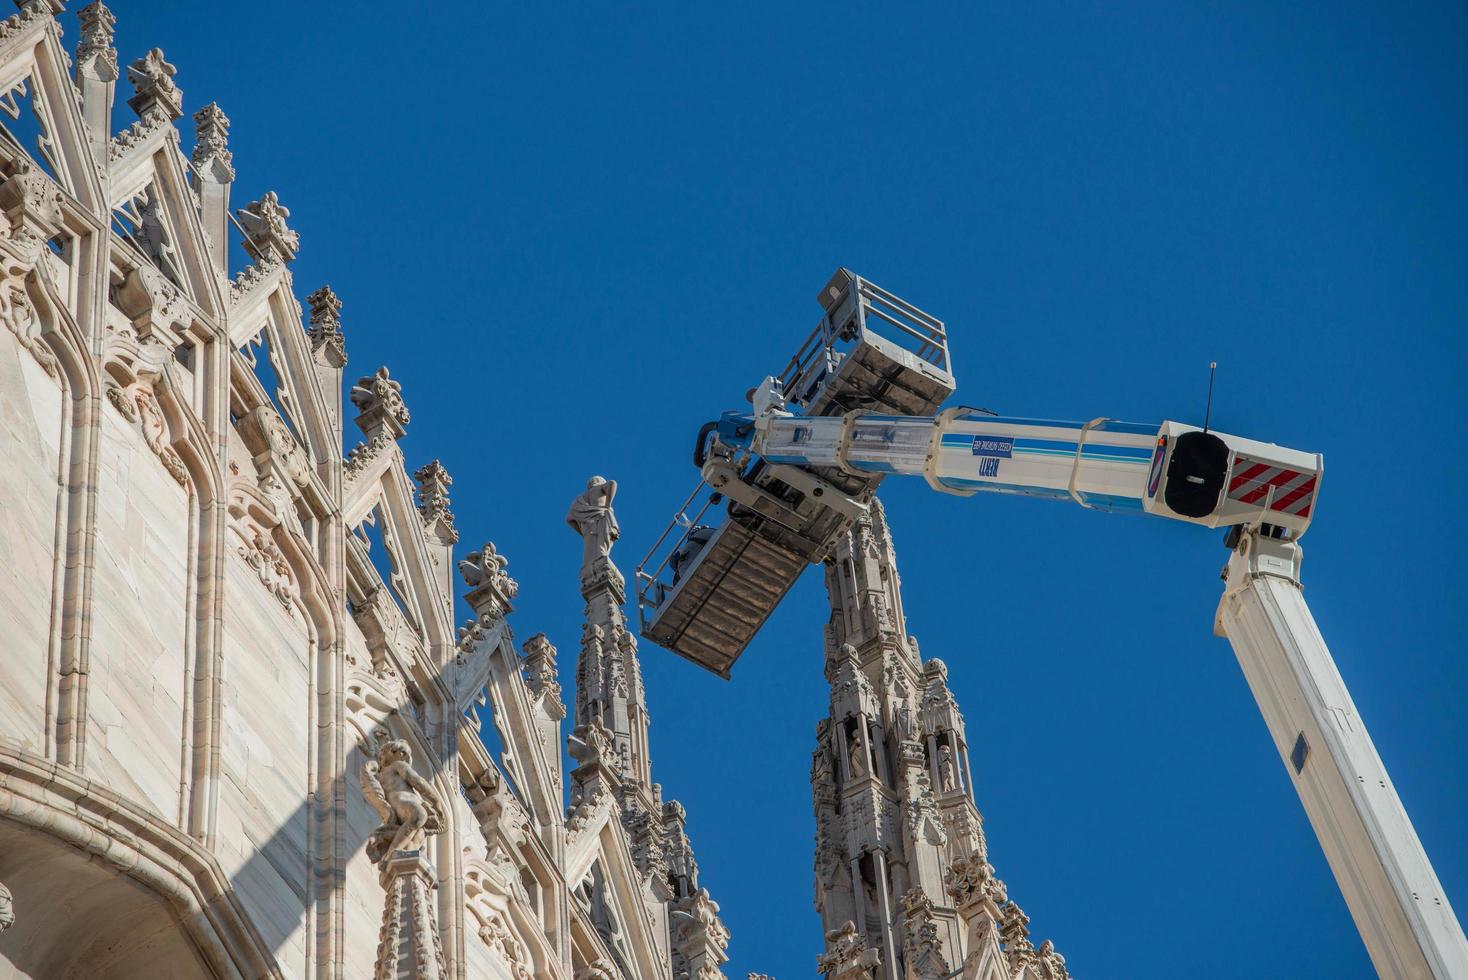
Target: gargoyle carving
[[408, 804]]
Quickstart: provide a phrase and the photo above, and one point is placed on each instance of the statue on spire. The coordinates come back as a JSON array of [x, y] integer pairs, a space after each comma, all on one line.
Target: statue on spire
[[591, 517]]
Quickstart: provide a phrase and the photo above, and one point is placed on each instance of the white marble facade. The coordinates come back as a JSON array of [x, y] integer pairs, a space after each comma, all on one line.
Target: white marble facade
[[228, 746]]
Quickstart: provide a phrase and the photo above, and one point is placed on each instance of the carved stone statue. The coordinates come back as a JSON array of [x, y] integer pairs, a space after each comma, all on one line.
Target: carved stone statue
[[947, 779], [591, 517], [7, 908], [860, 765], [408, 804]]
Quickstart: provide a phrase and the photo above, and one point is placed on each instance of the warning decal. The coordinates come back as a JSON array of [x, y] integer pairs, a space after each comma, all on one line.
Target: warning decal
[[1288, 491]]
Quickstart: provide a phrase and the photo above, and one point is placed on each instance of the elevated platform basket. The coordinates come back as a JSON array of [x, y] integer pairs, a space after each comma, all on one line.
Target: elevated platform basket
[[720, 568]]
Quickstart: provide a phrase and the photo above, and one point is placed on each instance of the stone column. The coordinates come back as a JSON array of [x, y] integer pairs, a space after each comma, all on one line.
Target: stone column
[[408, 947], [608, 668]]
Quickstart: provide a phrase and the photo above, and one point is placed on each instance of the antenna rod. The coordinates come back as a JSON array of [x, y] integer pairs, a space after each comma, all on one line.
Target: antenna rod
[[1208, 412]]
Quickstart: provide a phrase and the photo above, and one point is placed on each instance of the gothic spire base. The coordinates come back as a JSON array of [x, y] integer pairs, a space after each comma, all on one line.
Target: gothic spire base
[[409, 947]]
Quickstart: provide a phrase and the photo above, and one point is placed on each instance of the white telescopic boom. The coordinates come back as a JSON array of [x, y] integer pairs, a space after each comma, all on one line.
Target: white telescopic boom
[[1379, 863], [1267, 494]]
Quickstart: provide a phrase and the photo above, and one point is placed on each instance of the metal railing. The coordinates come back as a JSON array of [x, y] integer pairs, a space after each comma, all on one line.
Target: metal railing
[[925, 333], [874, 311], [651, 590]]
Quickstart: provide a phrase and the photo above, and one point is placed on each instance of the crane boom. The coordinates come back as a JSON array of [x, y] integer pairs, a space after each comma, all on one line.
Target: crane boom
[[1383, 871], [793, 482], [1169, 469], [1266, 494]]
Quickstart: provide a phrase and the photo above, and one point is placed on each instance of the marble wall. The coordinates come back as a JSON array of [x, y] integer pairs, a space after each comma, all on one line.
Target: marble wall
[[142, 596], [30, 443]]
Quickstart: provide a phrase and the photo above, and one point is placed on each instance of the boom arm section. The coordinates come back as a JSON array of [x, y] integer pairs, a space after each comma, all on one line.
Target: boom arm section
[[1383, 871], [1170, 470]]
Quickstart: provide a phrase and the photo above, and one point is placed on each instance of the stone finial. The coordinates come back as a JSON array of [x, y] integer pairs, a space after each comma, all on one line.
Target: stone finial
[[700, 936], [590, 743], [921, 948], [327, 341], [211, 155], [1014, 932], [380, 406], [95, 53], [847, 956], [267, 237], [539, 661], [490, 586], [970, 881], [49, 8], [155, 93], [487, 566], [433, 500]]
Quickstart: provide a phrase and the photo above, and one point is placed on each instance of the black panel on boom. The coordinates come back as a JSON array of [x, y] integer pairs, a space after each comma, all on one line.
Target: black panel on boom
[[1196, 473]]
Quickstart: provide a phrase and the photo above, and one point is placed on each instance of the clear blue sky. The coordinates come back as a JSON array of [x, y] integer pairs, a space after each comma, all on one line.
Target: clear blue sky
[[574, 233]]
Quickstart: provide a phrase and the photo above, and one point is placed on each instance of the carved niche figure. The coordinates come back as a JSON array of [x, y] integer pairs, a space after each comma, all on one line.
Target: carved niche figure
[[947, 779], [860, 765], [7, 908], [591, 517], [408, 804], [822, 776]]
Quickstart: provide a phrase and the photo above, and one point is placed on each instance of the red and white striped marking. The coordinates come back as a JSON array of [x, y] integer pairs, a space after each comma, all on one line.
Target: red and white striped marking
[[1293, 491]]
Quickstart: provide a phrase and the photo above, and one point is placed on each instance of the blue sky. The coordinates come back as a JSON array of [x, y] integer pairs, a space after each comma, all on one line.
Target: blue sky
[[576, 233]]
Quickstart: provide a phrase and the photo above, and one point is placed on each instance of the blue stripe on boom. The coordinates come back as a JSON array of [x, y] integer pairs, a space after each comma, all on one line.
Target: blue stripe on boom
[[1102, 501], [1110, 425], [1091, 451]]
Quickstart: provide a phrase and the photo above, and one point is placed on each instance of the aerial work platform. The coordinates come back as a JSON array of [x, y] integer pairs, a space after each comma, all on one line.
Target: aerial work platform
[[859, 402], [708, 584]]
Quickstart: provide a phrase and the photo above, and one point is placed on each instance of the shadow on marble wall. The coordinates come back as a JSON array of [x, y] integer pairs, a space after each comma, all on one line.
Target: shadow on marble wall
[[276, 868]]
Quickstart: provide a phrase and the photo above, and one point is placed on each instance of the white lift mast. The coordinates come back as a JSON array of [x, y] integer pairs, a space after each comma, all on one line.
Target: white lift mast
[[807, 462], [1382, 870]]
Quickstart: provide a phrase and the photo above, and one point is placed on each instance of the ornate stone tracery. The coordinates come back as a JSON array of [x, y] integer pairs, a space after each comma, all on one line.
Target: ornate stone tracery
[[912, 898]]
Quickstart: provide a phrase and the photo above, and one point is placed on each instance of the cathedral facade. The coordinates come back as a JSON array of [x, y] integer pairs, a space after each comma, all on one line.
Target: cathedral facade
[[240, 725]]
